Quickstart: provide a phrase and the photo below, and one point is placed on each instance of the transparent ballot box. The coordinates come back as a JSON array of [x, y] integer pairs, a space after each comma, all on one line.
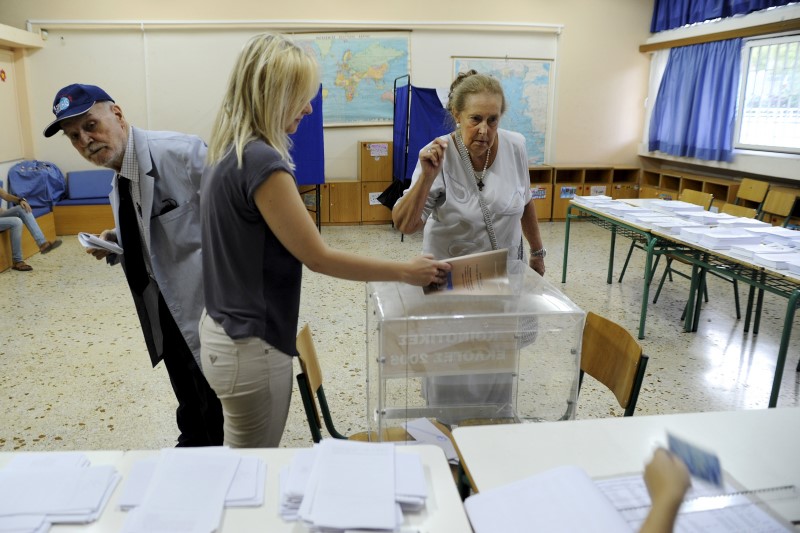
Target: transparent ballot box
[[466, 358]]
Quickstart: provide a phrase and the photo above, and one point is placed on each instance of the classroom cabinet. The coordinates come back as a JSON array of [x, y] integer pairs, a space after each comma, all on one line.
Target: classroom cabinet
[[375, 175], [542, 191], [372, 211], [341, 202], [668, 185]]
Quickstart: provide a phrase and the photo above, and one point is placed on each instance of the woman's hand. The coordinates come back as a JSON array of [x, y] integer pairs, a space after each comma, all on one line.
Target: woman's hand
[[667, 480], [424, 270], [666, 477], [537, 263], [431, 157]]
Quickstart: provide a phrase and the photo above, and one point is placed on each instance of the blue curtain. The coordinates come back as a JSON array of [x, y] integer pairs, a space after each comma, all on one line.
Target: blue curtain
[[308, 146], [429, 119], [400, 130], [695, 109], [669, 14], [426, 120]]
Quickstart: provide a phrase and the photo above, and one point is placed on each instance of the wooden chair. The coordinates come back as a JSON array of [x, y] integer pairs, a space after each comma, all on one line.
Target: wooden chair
[[612, 356], [700, 198], [778, 204], [315, 404], [751, 193], [739, 210]]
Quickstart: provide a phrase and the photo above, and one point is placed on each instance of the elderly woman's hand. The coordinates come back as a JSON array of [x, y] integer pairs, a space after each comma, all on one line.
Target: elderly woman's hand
[[537, 263], [431, 157]]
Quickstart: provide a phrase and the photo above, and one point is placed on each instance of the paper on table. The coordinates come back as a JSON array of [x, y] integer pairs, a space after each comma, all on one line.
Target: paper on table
[[629, 495], [246, 490], [186, 494], [563, 499], [352, 487], [89, 240]]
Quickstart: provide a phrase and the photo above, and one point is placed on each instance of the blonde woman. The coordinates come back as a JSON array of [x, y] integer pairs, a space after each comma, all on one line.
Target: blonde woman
[[256, 235]]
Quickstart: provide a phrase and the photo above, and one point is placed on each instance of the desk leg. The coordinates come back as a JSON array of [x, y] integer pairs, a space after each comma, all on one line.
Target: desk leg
[[648, 276], [566, 246], [787, 333], [750, 294], [701, 291], [759, 305], [688, 312], [611, 255]]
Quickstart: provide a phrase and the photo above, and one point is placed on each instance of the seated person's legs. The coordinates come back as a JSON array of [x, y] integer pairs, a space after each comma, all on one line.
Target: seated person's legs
[[15, 225], [30, 222]]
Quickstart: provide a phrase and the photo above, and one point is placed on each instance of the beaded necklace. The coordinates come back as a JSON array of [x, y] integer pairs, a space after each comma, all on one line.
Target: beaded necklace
[[464, 153]]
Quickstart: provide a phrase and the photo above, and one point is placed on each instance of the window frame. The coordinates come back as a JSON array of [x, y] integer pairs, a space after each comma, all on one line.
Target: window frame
[[740, 105]]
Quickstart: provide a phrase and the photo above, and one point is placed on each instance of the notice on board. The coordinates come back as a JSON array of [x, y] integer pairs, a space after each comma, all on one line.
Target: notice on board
[[378, 149]]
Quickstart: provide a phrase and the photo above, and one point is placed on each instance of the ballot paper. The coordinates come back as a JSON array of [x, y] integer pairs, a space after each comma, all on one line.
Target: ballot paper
[[776, 261], [706, 217], [186, 493], [563, 499], [300, 478], [676, 206], [747, 251], [37, 490], [246, 490], [424, 432], [90, 240], [351, 486]]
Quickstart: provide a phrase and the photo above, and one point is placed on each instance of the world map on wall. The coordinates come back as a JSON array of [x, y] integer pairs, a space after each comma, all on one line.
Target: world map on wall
[[358, 73], [526, 85]]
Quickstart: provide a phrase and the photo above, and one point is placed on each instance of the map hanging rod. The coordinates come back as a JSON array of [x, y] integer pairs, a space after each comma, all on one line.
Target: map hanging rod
[[34, 25]]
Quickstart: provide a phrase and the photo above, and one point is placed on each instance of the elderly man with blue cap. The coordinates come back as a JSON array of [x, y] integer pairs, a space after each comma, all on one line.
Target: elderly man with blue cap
[[156, 204]]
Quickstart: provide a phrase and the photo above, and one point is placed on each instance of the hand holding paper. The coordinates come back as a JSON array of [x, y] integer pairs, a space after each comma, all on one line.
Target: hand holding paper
[[89, 240]]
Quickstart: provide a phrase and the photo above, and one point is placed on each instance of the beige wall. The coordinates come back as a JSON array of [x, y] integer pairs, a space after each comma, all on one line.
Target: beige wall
[[601, 76]]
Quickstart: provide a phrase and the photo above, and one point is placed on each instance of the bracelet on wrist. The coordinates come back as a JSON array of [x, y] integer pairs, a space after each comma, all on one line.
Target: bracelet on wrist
[[541, 252]]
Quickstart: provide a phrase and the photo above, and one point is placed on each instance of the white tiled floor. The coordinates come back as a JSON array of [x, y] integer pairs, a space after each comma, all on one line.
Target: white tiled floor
[[76, 374]]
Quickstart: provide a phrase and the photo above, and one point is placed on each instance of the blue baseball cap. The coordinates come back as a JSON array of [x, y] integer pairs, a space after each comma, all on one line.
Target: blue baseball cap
[[74, 100]]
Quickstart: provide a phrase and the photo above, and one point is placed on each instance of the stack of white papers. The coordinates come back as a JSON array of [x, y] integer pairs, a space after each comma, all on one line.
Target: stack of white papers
[[186, 493], [794, 267], [777, 261], [341, 484], [718, 238], [246, 489], [784, 236], [707, 217], [620, 209], [37, 490], [747, 251], [597, 199], [674, 225], [676, 206], [742, 222], [563, 499], [649, 218]]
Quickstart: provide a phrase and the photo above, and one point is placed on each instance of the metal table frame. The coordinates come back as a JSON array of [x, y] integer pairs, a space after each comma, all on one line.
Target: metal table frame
[[702, 261]]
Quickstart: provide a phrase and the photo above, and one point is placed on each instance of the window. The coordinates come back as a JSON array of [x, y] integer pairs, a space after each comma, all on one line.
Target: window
[[768, 116]]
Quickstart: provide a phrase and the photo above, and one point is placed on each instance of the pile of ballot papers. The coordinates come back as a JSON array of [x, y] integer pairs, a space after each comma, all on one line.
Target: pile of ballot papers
[[37, 490], [190, 487], [341, 485]]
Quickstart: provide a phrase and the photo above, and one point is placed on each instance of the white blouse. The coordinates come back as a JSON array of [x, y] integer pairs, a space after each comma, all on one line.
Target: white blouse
[[454, 224]]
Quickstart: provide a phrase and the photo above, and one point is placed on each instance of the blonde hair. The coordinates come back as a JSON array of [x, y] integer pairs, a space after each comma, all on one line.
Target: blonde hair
[[472, 82], [272, 81]]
